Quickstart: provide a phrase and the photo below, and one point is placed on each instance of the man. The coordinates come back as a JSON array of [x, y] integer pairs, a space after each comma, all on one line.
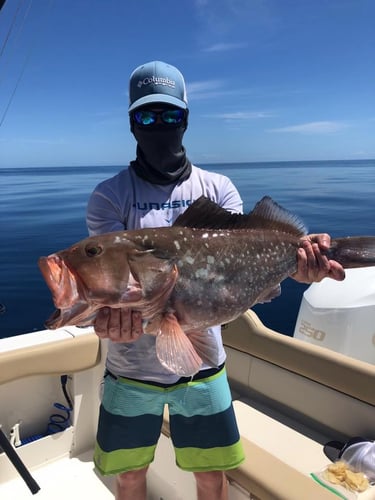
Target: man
[[152, 192]]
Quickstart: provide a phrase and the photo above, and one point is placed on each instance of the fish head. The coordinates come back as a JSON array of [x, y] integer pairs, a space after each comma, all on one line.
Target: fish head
[[90, 274]]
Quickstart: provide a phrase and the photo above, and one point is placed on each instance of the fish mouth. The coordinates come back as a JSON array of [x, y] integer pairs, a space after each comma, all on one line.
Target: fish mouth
[[67, 294], [60, 280]]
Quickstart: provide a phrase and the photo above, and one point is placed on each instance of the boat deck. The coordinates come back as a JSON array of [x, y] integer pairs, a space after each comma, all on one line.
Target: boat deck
[[76, 478], [62, 479]]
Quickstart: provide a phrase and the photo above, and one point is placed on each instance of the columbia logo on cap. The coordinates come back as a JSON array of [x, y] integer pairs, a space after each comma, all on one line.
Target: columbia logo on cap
[[156, 81]]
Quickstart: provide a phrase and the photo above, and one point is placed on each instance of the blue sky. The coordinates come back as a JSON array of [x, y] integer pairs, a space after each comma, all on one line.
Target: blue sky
[[267, 80]]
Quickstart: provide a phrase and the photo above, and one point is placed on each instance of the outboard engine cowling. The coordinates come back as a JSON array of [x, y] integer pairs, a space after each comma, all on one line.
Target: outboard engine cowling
[[341, 315]]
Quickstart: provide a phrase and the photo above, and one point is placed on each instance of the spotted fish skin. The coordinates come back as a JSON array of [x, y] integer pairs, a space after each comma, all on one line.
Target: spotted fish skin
[[238, 270]]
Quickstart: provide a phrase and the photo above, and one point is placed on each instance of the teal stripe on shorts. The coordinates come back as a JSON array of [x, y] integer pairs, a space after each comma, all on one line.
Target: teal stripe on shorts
[[202, 423]]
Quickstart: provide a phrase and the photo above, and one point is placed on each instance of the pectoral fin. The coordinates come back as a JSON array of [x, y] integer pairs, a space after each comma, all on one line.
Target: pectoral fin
[[174, 349]]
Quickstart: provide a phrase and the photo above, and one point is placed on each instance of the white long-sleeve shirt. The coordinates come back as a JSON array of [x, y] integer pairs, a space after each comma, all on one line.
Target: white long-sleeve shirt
[[127, 201]]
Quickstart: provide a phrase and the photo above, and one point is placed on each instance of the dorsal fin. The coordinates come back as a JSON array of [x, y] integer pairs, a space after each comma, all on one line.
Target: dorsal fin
[[266, 215]]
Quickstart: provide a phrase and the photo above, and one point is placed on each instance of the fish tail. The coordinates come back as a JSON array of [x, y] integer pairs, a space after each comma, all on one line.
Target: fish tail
[[353, 251]]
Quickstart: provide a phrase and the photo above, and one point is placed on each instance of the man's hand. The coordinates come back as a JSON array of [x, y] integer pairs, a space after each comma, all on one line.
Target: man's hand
[[118, 325], [312, 264]]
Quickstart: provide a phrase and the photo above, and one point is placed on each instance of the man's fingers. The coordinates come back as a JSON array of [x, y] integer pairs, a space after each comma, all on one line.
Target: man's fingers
[[101, 322], [322, 266], [119, 325], [337, 272], [311, 252], [114, 325], [313, 265], [323, 240], [136, 319], [125, 328]]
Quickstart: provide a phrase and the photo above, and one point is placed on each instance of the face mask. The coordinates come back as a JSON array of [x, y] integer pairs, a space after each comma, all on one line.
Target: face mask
[[161, 157]]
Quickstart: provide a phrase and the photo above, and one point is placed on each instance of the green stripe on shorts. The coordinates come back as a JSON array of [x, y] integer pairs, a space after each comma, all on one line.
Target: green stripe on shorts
[[226, 458], [114, 462]]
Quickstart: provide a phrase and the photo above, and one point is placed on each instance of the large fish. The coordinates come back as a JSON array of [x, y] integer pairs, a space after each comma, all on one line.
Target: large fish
[[205, 270]]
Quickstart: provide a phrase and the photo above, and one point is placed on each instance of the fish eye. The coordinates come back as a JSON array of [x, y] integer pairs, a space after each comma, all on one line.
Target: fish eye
[[93, 250]]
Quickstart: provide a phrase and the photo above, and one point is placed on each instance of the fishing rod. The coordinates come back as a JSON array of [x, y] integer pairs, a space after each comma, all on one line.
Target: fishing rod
[[18, 464], [25, 63], [26, 11]]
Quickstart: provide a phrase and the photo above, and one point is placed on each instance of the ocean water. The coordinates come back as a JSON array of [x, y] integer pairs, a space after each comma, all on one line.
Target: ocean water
[[43, 210]]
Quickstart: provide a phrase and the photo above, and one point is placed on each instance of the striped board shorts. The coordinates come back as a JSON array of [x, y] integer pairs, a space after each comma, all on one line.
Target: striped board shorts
[[203, 427]]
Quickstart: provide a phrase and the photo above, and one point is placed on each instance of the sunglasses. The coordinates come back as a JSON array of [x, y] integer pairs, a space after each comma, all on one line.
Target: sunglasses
[[168, 116]]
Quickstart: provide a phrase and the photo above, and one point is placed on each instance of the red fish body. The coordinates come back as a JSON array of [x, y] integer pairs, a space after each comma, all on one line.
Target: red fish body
[[203, 271]]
